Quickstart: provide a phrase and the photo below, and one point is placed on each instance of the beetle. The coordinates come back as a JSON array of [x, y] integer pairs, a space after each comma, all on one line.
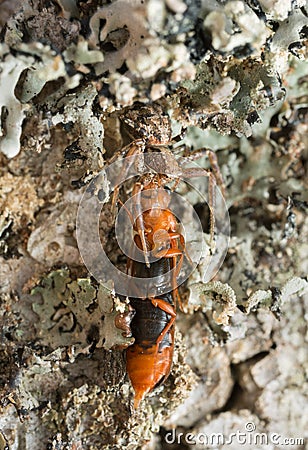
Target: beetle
[[157, 232], [149, 359], [156, 228]]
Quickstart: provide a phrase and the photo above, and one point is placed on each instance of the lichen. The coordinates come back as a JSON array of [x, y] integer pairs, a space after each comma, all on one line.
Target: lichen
[[234, 74], [227, 94], [214, 296], [12, 110], [77, 313], [234, 26], [121, 36]]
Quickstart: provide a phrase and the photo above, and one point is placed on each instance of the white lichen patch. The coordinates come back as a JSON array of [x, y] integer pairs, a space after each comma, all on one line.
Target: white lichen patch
[[236, 25], [294, 286], [50, 243], [50, 67], [265, 299], [280, 9], [124, 30], [121, 87], [12, 110], [214, 296], [81, 54], [151, 58], [220, 65], [289, 32], [41, 377], [75, 312]]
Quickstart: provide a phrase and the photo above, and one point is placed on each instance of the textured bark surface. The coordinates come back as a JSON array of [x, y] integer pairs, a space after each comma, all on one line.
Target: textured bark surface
[[234, 74]]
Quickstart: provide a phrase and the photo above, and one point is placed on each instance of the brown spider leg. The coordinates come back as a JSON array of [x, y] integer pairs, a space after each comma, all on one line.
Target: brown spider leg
[[139, 220], [216, 170], [129, 267], [199, 172], [124, 151], [176, 183], [129, 264], [134, 148], [175, 292], [211, 194], [127, 211], [212, 157]]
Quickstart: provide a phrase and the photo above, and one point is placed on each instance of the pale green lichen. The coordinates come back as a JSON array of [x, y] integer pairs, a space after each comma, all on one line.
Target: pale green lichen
[[50, 67], [76, 313], [266, 299], [89, 130], [81, 53], [236, 25], [280, 9], [226, 94], [215, 296]]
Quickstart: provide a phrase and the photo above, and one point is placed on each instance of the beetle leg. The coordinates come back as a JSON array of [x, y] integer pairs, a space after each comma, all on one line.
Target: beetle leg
[[168, 253], [173, 235], [168, 309], [177, 299]]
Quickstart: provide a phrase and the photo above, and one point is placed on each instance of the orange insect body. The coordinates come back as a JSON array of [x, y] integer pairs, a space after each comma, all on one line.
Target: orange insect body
[[156, 227], [149, 359], [148, 369]]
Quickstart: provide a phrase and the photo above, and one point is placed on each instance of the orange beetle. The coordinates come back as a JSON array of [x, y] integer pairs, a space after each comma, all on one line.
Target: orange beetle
[[149, 359]]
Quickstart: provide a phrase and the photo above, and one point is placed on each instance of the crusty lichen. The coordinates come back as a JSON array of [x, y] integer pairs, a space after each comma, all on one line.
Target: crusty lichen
[[12, 110], [77, 313], [227, 94], [234, 73]]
